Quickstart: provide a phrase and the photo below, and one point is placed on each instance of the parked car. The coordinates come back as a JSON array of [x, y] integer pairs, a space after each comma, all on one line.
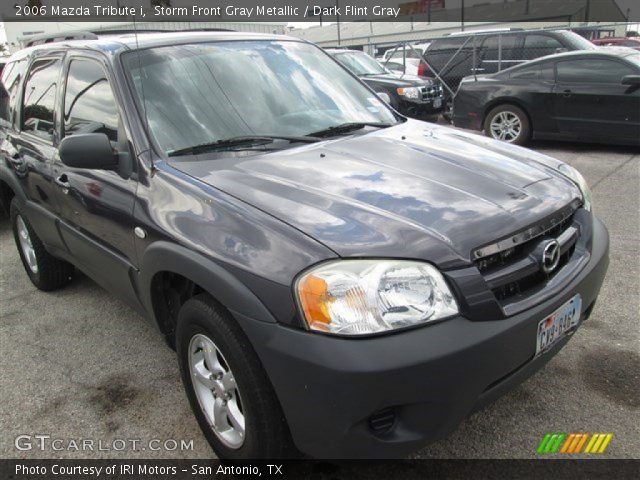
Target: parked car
[[590, 95], [631, 42], [458, 55], [406, 59], [416, 97], [336, 278]]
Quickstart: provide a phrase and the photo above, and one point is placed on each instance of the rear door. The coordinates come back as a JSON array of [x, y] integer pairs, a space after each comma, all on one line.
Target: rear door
[[30, 136], [591, 102], [498, 52]]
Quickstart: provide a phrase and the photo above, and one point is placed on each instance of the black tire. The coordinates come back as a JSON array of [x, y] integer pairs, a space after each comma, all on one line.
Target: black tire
[[267, 434], [52, 273], [524, 134]]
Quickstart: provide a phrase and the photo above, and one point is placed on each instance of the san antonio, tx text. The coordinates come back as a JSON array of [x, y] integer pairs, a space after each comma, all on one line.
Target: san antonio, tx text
[[143, 469]]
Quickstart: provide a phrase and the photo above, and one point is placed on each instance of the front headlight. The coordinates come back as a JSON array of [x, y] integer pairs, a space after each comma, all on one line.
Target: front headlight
[[579, 180], [359, 297], [409, 92]]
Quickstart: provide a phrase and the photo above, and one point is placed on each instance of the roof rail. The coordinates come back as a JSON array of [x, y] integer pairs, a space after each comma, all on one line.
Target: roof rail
[[126, 31], [484, 31], [58, 37]]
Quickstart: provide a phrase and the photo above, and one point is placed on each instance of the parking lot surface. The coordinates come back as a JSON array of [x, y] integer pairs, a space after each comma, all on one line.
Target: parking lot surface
[[79, 364]]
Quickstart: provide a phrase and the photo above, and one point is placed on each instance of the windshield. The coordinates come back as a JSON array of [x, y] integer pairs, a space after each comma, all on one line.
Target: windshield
[[200, 93], [577, 42], [360, 63]]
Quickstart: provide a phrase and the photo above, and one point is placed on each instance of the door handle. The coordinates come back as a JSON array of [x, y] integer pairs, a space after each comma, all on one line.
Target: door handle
[[63, 182], [566, 93]]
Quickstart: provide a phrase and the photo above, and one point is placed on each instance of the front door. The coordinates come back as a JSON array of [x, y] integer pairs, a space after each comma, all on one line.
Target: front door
[[96, 205], [591, 101]]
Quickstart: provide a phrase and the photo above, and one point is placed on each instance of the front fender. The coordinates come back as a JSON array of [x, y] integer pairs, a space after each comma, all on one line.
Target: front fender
[[163, 256]]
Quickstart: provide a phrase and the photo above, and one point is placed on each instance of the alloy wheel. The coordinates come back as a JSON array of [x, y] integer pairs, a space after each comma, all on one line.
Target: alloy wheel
[[505, 126], [216, 391], [26, 245]]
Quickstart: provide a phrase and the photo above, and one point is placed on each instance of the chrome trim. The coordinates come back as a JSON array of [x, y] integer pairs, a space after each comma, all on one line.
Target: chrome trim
[[526, 235]]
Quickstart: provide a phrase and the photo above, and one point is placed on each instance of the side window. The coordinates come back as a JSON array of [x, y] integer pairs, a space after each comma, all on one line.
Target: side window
[[11, 77], [592, 70], [89, 104], [536, 46], [40, 97], [492, 45], [539, 71], [530, 72]]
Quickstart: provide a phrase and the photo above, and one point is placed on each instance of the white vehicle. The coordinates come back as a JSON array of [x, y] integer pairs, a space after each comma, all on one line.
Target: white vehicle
[[411, 63]]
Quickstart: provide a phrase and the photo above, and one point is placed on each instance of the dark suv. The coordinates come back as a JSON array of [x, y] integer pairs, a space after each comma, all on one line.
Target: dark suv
[[413, 96], [336, 279], [456, 56]]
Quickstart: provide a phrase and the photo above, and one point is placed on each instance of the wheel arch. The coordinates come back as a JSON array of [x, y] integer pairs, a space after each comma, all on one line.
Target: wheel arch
[[164, 261]]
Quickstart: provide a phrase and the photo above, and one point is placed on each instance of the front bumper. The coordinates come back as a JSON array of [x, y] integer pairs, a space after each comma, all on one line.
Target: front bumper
[[430, 378], [418, 109]]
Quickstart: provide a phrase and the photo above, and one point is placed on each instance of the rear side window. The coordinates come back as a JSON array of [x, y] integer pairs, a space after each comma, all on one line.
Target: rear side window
[[89, 104], [11, 77], [592, 70], [539, 71], [40, 97], [536, 46], [493, 45]]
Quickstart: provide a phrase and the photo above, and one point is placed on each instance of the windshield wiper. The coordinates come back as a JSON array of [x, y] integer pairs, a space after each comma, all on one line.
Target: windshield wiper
[[248, 140], [347, 127]]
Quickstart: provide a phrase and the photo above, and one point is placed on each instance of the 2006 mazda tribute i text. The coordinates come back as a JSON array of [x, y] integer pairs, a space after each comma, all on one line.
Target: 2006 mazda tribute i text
[[337, 280]]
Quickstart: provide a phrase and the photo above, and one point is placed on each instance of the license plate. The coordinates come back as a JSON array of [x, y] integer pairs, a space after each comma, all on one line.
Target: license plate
[[556, 325], [437, 103]]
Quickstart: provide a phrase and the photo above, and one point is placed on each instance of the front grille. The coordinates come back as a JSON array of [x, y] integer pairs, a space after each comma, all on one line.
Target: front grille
[[512, 273], [431, 92]]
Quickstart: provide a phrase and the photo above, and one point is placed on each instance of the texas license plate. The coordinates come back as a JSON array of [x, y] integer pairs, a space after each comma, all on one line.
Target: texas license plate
[[437, 103], [556, 325]]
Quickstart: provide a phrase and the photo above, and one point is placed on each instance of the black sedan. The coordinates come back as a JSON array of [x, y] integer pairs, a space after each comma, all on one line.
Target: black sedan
[[585, 95], [413, 96]]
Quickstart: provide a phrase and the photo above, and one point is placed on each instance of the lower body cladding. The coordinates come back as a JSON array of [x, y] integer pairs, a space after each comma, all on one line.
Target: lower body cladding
[[387, 396]]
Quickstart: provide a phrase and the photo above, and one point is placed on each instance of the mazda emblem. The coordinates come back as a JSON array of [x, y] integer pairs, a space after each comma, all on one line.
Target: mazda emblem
[[550, 256]]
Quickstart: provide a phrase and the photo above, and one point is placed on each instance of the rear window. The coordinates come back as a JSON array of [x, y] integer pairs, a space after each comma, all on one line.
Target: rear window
[[40, 96], [573, 41], [446, 44], [12, 74]]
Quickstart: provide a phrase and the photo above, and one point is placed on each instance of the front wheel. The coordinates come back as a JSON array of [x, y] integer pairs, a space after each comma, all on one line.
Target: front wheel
[[228, 389], [508, 123]]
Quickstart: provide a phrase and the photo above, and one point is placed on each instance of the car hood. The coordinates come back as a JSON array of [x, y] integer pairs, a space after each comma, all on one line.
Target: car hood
[[413, 191]]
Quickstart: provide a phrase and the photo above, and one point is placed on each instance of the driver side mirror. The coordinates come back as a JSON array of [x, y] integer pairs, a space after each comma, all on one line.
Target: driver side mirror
[[633, 80], [88, 150]]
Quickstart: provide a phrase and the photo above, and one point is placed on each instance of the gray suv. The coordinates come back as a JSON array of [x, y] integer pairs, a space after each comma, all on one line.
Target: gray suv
[[336, 279]]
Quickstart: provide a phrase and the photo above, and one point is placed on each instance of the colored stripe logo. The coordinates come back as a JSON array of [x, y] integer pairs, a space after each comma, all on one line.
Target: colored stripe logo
[[574, 443]]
